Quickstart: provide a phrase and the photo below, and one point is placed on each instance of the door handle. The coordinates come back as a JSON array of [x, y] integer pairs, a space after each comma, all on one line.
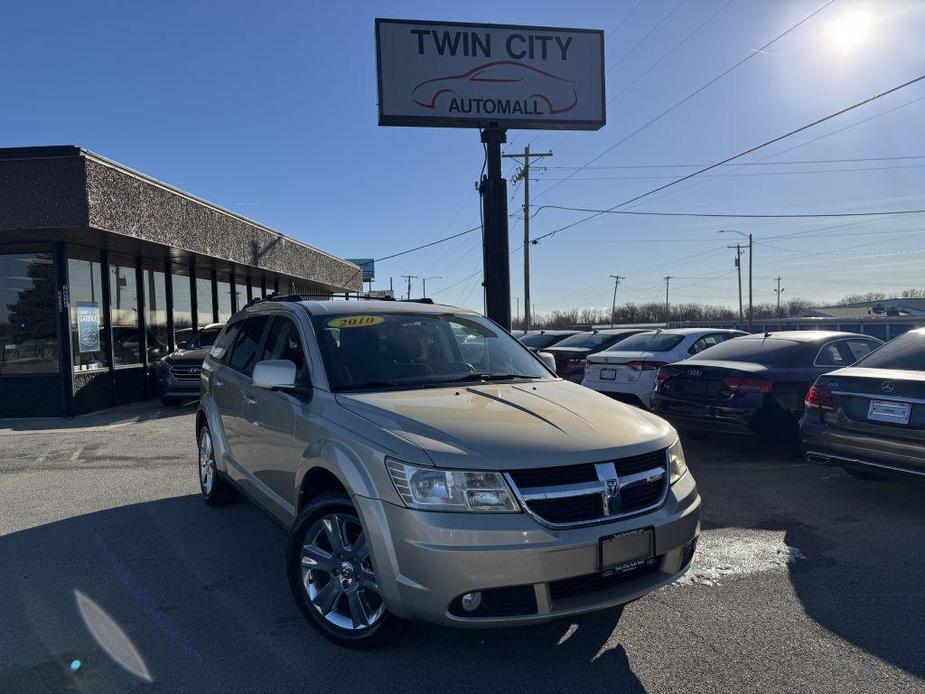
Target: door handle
[[217, 382]]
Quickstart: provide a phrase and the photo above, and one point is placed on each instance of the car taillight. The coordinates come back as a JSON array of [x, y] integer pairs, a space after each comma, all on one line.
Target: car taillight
[[748, 385], [641, 365], [662, 376], [819, 396]]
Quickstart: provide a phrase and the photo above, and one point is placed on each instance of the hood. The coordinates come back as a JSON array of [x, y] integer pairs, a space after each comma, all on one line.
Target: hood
[[187, 356], [616, 357], [513, 426]]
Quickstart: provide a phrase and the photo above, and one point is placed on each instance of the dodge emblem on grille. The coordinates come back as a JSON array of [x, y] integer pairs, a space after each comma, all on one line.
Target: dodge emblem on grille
[[611, 497]]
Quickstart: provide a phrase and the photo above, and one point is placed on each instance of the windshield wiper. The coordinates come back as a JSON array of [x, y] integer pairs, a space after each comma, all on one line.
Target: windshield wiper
[[371, 384], [488, 377]]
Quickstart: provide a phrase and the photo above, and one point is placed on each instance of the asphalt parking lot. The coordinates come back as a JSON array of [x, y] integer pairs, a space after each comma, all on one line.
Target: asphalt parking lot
[[806, 580]]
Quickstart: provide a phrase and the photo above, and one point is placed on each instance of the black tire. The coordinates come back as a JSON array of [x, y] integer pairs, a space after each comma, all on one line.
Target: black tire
[[866, 475], [387, 626], [214, 488]]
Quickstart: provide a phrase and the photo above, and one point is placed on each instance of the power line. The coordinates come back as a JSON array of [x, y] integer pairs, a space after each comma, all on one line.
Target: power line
[[745, 163], [645, 36], [697, 91], [744, 175], [729, 215], [739, 155]]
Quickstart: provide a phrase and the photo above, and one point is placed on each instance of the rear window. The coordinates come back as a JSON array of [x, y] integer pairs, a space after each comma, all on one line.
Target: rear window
[[767, 351], [588, 340], [905, 352], [539, 340], [648, 342]]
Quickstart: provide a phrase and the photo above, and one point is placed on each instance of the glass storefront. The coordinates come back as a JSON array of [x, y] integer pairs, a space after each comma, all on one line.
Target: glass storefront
[[204, 297], [155, 287], [224, 298], [28, 331], [240, 291], [88, 339], [123, 307], [182, 305]]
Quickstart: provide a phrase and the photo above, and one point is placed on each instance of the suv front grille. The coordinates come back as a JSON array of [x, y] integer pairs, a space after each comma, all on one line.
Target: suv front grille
[[187, 374], [593, 492]]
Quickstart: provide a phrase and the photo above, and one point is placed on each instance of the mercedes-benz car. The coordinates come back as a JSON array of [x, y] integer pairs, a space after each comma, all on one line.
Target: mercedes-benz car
[[428, 466]]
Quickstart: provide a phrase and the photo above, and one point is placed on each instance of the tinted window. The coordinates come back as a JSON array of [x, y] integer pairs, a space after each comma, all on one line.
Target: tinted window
[[590, 340], [540, 340], [284, 342], [28, 333], [861, 348], [648, 342], [88, 339], [706, 342], [123, 311], [223, 341], [244, 355], [905, 352], [204, 338], [831, 355], [767, 351]]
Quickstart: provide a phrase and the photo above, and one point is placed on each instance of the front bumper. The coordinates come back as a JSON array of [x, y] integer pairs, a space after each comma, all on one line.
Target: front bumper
[[426, 560]]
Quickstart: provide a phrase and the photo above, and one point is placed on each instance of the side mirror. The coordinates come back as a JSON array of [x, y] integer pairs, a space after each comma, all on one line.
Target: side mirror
[[181, 345], [548, 360], [274, 374]]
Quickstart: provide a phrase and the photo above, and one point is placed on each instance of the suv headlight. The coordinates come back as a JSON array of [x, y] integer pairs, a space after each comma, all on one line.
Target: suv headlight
[[432, 489], [677, 465]]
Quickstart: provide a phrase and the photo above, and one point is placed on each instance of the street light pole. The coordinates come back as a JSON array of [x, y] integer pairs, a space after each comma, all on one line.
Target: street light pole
[[613, 306], [780, 290], [738, 248]]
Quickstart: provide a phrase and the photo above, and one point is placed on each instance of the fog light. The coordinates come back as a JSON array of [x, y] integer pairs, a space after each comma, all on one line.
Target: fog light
[[471, 601]]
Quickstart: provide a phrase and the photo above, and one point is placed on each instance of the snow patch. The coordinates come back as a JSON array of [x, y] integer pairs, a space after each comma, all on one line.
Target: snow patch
[[730, 552]]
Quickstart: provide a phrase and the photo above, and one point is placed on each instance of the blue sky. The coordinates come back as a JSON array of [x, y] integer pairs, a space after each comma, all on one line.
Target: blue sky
[[271, 112]]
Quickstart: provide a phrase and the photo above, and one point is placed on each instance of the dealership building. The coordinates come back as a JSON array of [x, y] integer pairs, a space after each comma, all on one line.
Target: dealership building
[[104, 270]]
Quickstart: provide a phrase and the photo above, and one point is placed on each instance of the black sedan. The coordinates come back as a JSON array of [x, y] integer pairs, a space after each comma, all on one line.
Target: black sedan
[[870, 418], [178, 374], [754, 384], [541, 339], [570, 354]]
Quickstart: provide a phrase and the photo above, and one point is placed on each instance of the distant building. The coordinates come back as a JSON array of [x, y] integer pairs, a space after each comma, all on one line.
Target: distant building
[[886, 308]]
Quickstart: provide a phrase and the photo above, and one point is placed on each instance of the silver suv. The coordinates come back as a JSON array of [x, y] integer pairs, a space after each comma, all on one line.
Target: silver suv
[[428, 466]]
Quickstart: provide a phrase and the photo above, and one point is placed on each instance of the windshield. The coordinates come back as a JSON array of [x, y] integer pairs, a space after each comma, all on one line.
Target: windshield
[[391, 350], [906, 352], [588, 340], [648, 342], [540, 340], [204, 338], [767, 351]]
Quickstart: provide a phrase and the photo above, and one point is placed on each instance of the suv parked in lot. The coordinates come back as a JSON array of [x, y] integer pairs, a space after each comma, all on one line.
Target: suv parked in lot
[[428, 466], [178, 372]]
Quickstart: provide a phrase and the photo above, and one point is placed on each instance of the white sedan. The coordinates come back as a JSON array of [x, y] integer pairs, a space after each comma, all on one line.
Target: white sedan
[[627, 371]]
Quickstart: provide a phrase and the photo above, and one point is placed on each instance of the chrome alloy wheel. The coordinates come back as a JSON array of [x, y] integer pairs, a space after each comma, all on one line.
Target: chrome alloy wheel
[[337, 574], [206, 463]]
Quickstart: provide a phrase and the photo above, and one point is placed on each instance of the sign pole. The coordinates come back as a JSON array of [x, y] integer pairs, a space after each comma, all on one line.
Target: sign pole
[[496, 267]]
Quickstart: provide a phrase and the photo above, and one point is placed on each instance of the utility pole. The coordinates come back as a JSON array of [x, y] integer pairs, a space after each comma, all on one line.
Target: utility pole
[[613, 306], [496, 264], [524, 175], [738, 248], [424, 282], [409, 278], [751, 296], [780, 290], [667, 305]]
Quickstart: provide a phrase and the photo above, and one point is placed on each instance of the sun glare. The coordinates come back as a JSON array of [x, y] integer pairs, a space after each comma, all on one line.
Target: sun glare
[[850, 30]]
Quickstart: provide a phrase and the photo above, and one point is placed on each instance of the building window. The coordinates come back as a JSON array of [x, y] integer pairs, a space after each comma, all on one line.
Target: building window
[[224, 297], [204, 297], [88, 339], [123, 306], [182, 306], [240, 291], [155, 287], [28, 336]]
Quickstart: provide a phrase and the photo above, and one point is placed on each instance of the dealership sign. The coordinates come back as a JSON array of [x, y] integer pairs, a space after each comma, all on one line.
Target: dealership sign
[[88, 327], [367, 265], [489, 75]]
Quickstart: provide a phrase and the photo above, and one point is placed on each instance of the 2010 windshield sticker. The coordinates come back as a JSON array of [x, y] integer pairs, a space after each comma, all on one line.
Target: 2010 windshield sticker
[[355, 321]]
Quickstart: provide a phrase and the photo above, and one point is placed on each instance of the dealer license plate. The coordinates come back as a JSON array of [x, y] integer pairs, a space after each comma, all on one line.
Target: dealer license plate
[[889, 411], [608, 374], [625, 551]]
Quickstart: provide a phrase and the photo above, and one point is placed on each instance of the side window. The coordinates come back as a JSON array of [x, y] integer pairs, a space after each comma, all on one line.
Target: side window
[[861, 348], [705, 342], [244, 354], [284, 342], [831, 355], [224, 341]]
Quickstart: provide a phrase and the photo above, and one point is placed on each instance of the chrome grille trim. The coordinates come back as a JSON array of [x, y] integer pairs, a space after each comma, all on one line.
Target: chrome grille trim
[[606, 472]]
